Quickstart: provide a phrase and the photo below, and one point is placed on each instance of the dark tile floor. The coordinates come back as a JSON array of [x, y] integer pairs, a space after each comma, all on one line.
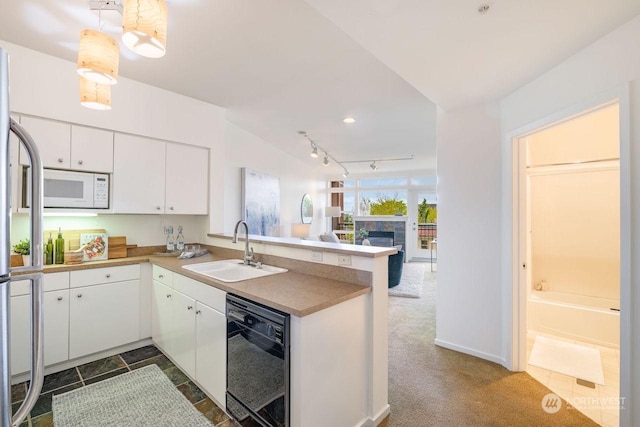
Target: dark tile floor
[[70, 379]]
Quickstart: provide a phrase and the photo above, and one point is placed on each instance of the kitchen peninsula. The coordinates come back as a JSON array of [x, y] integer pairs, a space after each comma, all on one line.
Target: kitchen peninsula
[[338, 319]]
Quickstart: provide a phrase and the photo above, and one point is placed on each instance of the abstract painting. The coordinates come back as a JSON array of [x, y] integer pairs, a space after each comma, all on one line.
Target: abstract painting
[[261, 202]]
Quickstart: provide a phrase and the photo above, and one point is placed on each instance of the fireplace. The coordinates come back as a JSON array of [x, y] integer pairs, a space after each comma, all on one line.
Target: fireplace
[[381, 238]]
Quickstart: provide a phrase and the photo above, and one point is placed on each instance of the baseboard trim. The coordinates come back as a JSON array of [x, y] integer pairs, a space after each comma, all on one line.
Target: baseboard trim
[[374, 421], [466, 350]]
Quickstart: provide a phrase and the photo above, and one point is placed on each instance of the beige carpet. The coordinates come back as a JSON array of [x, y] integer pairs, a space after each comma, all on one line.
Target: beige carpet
[[432, 386], [411, 281]]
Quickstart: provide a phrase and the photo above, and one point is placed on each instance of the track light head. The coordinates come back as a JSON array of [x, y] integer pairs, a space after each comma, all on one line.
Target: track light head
[[345, 173], [373, 166], [314, 151], [326, 160]]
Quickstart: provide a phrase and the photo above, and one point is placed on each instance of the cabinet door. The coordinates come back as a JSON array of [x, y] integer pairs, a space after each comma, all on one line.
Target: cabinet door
[[161, 316], [56, 330], [138, 175], [20, 334], [91, 149], [53, 140], [103, 317], [56, 326], [211, 351], [187, 180], [184, 337]]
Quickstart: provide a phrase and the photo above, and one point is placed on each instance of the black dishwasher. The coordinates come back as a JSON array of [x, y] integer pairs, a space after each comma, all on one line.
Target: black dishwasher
[[257, 363]]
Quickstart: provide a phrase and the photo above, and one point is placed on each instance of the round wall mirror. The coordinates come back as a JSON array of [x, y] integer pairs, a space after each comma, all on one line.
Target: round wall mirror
[[306, 209]]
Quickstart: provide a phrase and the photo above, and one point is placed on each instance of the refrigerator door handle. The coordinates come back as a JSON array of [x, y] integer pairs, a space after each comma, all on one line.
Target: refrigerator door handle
[[37, 292], [37, 349], [37, 200]]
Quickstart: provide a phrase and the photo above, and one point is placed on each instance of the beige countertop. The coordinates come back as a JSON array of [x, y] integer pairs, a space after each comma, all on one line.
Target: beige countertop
[[292, 292]]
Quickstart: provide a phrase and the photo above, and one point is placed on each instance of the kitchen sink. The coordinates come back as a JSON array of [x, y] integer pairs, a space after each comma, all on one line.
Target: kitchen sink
[[232, 270]]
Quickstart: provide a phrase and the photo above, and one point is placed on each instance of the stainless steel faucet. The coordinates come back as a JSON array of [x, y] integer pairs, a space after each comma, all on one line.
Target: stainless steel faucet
[[248, 253]]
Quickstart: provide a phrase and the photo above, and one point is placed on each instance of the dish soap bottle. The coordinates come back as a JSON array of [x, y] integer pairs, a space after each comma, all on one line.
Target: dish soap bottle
[[59, 253], [171, 246], [48, 251], [180, 240]]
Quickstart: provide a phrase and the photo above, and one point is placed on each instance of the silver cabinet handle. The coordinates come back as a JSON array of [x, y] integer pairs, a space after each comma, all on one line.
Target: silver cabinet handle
[[59, 298], [161, 276], [190, 307], [60, 160], [198, 311], [80, 162], [171, 208], [157, 208], [79, 295], [108, 275], [168, 295]]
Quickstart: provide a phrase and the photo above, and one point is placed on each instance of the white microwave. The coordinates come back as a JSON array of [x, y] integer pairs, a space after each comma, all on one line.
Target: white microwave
[[71, 189]]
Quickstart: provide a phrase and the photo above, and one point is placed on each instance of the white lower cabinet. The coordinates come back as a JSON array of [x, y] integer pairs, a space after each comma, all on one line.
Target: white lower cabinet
[[103, 317], [193, 333], [56, 322]]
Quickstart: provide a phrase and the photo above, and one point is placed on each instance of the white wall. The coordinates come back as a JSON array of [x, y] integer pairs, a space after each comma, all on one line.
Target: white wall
[[605, 68], [468, 299], [46, 86], [243, 149]]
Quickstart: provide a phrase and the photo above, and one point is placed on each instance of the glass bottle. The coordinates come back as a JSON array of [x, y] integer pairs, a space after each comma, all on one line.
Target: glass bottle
[[59, 252], [48, 251], [171, 245], [180, 240]]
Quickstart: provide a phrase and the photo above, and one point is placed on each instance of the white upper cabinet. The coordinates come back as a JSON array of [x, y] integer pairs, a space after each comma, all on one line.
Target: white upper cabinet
[[91, 149], [151, 176], [187, 180], [66, 146], [138, 175], [53, 140]]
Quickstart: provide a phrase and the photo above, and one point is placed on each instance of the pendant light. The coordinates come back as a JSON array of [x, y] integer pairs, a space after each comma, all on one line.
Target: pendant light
[[98, 57], [144, 27], [94, 95]]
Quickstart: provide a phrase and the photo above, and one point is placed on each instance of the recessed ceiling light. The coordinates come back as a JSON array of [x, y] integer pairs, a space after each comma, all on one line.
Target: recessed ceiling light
[[349, 120]]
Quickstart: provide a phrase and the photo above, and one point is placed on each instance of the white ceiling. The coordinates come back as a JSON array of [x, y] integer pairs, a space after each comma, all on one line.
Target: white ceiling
[[290, 65]]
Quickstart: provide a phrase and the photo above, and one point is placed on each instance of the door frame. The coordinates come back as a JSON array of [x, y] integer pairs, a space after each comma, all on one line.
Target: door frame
[[412, 251], [515, 277]]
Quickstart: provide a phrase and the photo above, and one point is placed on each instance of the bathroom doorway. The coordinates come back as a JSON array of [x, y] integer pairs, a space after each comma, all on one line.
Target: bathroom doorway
[[569, 235]]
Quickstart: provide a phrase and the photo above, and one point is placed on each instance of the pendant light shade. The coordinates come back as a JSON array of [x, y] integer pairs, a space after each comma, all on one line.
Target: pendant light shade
[[94, 95], [144, 27], [98, 57]]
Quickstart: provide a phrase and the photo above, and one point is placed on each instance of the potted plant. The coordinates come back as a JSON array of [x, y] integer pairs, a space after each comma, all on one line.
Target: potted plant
[[23, 247], [363, 236]]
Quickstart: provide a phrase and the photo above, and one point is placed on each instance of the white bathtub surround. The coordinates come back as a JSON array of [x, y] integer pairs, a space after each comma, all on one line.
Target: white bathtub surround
[[575, 317], [575, 360]]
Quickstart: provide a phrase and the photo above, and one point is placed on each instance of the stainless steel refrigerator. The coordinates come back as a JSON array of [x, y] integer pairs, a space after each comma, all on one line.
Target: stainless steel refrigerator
[[32, 272]]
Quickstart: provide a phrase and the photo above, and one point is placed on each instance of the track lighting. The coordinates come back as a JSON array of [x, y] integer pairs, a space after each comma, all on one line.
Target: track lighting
[[373, 166], [314, 153]]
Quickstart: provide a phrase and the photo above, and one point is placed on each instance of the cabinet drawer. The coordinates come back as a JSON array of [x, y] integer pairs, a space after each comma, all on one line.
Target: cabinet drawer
[[52, 282], [209, 295], [104, 275], [163, 275]]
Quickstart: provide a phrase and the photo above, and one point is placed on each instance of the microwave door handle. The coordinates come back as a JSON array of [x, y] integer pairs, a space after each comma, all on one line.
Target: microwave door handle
[[36, 200]]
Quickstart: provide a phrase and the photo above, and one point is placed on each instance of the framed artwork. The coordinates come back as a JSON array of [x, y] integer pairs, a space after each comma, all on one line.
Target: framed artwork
[[261, 202], [306, 209]]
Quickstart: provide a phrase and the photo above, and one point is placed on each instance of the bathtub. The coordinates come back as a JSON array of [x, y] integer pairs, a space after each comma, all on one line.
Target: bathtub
[[575, 317]]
